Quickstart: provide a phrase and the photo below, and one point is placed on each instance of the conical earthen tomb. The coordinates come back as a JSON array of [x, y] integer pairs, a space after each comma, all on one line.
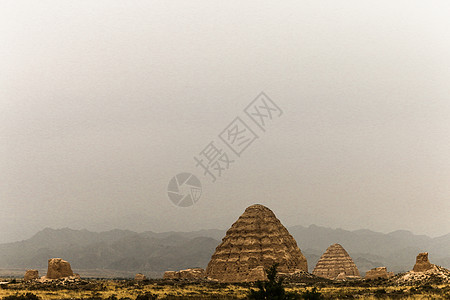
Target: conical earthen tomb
[[336, 262], [255, 241]]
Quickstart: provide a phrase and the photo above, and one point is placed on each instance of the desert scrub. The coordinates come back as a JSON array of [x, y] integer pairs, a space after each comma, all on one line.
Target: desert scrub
[[27, 296]]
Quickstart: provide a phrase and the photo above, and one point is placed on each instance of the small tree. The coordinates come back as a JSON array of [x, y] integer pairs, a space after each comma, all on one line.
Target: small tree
[[272, 288]]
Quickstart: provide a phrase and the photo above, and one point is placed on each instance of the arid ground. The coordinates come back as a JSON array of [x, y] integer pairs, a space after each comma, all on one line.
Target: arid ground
[[167, 289]]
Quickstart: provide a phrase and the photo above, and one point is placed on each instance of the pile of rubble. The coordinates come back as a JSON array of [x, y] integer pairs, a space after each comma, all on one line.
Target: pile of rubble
[[424, 272]]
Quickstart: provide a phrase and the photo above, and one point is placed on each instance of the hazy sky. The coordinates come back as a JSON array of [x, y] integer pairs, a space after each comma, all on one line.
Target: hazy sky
[[102, 102]]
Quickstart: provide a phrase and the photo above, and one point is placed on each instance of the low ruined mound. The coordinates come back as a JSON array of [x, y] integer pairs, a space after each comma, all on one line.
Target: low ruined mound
[[58, 268], [424, 272], [140, 277], [255, 241], [422, 263], [188, 274], [336, 262], [435, 275], [378, 273], [31, 275]]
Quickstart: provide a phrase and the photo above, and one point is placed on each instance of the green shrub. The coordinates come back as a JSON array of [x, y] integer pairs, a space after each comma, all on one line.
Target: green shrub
[[272, 288]]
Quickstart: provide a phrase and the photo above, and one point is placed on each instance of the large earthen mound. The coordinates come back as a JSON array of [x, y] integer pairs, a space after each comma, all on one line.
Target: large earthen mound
[[58, 268], [335, 263], [255, 241]]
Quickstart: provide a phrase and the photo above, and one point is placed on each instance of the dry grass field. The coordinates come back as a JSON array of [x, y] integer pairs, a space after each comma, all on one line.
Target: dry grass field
[[160, 289]]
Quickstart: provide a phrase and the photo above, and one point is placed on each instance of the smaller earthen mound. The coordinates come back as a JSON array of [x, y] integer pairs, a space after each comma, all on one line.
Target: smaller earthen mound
[[140, 277], [422, 263], [196, 273], [188, 274], [31, 275], [378, 273], [170, 275], [435, 275], [336, 264], [58, 268], [424, 271]]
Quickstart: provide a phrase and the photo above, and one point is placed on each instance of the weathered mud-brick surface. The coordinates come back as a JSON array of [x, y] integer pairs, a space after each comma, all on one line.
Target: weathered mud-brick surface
[[140, 277], [31, 275], [171, 275], [196, 273], [377, 273], [336, 262], [424, 271], [189, 274], [255, 241], [58, 268], [422, 263], [258, 273]]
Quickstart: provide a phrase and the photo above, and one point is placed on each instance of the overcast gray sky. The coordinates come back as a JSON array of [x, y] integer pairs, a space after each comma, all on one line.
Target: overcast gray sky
[[102, 102]]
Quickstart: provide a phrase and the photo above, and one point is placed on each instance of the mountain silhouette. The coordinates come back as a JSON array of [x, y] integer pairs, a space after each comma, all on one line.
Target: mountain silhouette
[[118, 252]]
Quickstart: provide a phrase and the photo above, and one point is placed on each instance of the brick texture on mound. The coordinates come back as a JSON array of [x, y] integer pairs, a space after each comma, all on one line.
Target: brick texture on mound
[[255, 241], [336, 262]]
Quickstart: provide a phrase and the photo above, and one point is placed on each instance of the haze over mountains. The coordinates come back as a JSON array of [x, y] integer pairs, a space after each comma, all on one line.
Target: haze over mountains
[[124, 252], [102, 104]]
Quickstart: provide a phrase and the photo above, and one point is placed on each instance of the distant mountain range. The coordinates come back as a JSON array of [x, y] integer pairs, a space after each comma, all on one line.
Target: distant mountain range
[[123, 252], [396, 250]]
